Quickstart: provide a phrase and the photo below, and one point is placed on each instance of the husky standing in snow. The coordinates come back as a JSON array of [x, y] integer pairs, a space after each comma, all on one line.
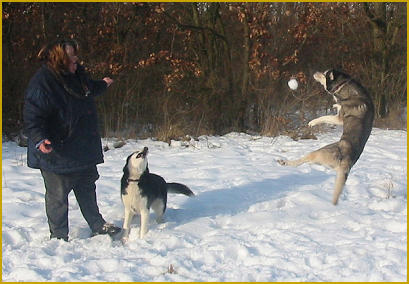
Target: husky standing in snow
[[355, 113], [141, 190]]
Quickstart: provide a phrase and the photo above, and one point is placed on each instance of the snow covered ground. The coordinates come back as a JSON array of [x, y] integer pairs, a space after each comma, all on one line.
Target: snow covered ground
[[251, 219]]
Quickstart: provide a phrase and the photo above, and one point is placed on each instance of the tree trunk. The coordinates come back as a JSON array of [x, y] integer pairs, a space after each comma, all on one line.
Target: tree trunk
[[379, 31], [246, 72]]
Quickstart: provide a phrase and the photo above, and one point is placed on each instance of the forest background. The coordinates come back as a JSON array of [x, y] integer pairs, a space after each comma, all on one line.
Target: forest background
[[212, 68]]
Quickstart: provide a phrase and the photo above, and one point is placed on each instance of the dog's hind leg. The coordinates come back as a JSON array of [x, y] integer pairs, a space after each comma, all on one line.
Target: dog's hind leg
[[328, 156], [340, 180], [313, 157], [159, 208], [298, 162]]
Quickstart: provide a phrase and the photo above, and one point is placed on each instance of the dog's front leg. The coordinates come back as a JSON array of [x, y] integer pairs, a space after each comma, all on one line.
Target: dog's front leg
[[330, 119], [144, 222], [126, 226]]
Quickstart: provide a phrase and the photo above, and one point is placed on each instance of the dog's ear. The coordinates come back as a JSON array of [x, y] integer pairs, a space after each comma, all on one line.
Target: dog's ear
[[331, 75], [125, 169], [126, 172]]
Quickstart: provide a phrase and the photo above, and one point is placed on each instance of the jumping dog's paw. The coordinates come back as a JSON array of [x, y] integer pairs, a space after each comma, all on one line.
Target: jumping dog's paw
[[313, 122], [282, 162], [337, 107]]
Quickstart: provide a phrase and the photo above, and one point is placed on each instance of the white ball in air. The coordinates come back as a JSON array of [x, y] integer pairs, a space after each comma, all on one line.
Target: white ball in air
[[293, 84]]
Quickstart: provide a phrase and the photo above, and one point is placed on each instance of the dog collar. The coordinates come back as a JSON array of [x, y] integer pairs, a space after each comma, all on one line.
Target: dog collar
[[340, 86], [132, 180]]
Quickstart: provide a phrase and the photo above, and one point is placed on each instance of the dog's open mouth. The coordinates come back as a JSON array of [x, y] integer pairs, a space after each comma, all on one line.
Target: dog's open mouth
[[145, 151], [143, 154]]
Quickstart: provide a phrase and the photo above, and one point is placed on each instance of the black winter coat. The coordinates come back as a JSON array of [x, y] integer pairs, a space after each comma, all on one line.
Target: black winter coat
[[69, 122]]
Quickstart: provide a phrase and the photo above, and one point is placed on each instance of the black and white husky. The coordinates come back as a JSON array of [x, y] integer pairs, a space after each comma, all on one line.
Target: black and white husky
[[355, 111], [141, 190]]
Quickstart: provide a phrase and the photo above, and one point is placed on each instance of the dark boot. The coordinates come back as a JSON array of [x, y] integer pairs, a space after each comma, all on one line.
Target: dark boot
[[65, 239], [107, 228]]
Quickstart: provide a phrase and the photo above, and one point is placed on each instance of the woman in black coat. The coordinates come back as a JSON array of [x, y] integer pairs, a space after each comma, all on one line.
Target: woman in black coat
[[60, 121]]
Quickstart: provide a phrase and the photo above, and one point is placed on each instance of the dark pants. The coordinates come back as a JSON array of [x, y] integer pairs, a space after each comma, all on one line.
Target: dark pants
[[58, 186]]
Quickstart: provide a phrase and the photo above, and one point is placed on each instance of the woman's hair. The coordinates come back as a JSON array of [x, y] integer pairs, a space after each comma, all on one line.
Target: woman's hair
[[55, 56]]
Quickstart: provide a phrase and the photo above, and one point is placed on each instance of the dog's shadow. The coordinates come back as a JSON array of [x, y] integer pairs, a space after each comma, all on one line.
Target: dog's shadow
[[232, 201]]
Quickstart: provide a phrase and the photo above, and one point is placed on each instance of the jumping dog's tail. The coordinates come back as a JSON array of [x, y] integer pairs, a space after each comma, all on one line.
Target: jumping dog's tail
[[174, 187]]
